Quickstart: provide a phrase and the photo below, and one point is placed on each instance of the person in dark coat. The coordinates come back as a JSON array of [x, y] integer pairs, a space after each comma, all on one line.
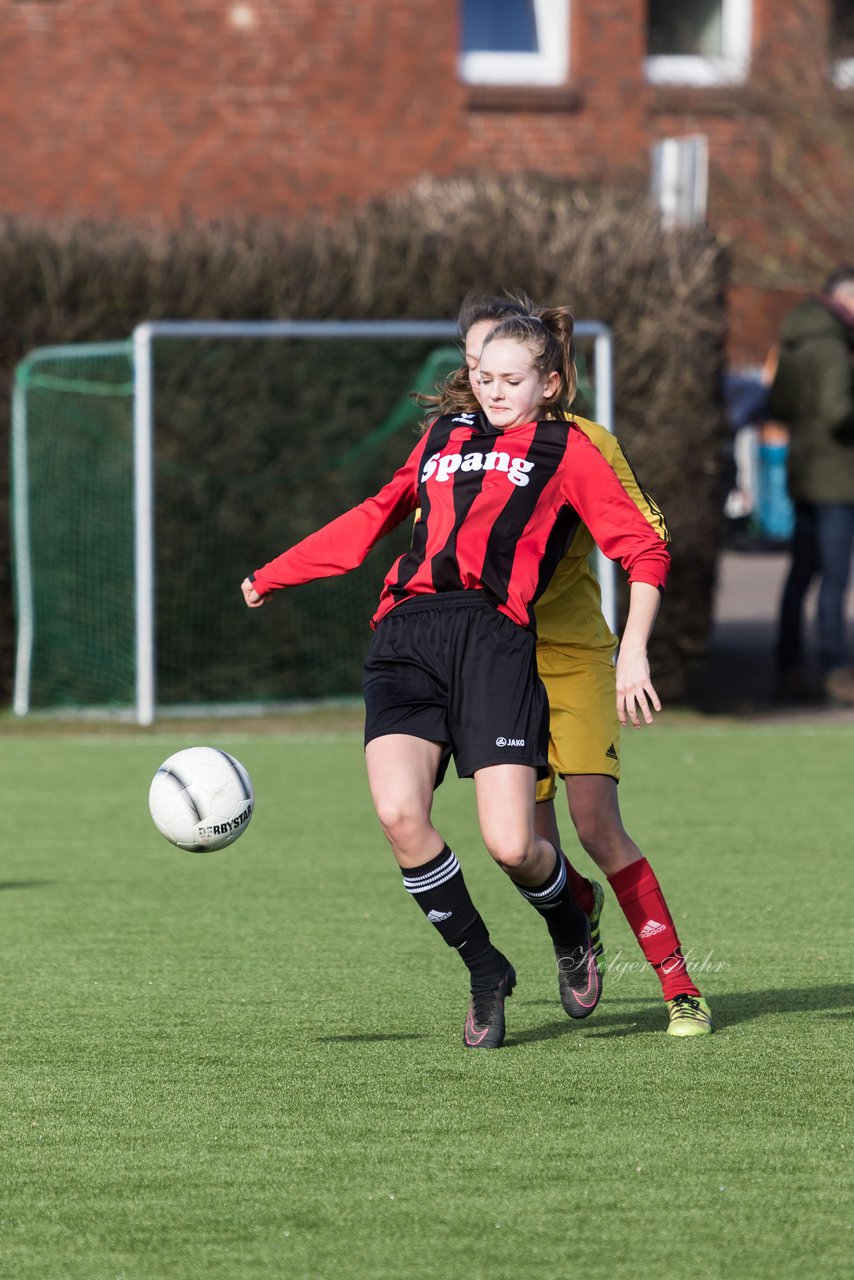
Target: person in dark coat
[[813, 394]]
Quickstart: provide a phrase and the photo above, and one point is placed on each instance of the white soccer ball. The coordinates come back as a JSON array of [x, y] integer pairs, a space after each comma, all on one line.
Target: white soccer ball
[[201, 799]]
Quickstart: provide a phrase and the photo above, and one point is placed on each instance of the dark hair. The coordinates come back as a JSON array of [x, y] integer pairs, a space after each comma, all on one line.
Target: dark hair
[[550, 334], [476, 307], [843, 274]]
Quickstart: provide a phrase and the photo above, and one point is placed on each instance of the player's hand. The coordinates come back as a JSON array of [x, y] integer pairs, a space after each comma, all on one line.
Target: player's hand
[[251, 596], [636, 696]]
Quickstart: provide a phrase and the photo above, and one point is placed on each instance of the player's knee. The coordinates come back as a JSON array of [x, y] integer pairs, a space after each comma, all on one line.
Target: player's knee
[[511, 855], [597, 834], [401, 824], [606, 841], [588, 831]]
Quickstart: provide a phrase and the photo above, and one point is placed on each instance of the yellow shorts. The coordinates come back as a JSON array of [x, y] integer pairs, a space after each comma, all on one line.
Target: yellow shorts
[[584, 732]]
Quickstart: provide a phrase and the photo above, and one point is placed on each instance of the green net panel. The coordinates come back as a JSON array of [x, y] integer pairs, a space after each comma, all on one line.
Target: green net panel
[[73, 524]]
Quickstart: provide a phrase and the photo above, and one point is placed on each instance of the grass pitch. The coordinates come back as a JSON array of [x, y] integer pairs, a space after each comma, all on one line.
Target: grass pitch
[[248, 1064]]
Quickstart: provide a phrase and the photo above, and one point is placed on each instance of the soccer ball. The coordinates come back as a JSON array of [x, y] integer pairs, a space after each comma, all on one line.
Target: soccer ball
[[201, 799]]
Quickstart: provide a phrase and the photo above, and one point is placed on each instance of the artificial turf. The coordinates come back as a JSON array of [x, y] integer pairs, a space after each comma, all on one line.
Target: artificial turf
[[248, 1064]]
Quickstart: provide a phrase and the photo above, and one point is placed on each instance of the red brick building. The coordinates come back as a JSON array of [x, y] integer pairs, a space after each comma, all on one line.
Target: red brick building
[[141, 111]]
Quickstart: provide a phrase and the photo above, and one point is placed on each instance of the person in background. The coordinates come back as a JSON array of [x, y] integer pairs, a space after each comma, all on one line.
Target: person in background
[[813, 395]]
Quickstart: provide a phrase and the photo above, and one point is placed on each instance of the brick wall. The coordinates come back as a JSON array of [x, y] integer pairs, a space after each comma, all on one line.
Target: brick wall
[[116, 108], [147, 110]]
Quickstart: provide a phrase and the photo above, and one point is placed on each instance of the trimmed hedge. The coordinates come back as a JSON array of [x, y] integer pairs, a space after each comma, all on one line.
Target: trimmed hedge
[[414, 256]]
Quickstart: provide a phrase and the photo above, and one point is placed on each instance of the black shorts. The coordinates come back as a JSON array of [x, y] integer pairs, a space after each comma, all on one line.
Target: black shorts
[[452, 669]]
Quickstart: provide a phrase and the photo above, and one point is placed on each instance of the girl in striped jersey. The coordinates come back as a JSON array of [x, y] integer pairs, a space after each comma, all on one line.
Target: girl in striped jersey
[[451, 670], [588, 701]]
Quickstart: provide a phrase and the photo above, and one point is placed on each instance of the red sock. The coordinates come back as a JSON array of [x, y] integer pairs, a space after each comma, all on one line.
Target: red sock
[[581, 889], [639, 894]]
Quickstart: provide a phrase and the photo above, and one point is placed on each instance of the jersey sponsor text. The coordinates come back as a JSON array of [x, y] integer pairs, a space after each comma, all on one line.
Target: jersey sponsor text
[[444, 466]]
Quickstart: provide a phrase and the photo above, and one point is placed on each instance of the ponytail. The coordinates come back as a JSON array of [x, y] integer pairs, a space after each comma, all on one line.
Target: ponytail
[[560, 322]]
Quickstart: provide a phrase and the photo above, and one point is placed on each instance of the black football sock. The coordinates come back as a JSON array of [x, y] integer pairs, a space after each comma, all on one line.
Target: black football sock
[[566, 922], [440, 891]]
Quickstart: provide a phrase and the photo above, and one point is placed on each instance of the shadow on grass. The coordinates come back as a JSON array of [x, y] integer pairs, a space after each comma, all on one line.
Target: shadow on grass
[[24, 884], [728, 1009], [550, 1031], [644, 1015], [358, 1038]]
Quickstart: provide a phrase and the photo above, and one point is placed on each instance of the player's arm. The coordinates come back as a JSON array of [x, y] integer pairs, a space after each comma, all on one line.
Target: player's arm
[[341, 545], [636, 694], [624, 533], [591, 486], [645, 504], [615, 455]]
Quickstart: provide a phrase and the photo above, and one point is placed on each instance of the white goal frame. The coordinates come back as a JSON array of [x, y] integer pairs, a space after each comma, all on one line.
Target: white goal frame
[[143, 339]]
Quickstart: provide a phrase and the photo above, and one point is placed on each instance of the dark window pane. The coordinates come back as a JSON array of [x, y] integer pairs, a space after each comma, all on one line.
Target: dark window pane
[[499, 26], [685, 28], [842, 29]]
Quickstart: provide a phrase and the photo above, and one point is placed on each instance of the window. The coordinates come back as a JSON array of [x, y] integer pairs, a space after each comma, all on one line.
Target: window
[[514, 41], [842, 43], [698, 41]]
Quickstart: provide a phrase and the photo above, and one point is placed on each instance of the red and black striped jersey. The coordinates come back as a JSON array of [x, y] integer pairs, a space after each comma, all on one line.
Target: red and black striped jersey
[[497, 510]]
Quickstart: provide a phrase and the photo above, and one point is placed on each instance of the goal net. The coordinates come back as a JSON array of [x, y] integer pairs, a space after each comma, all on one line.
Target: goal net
[[149, 477]]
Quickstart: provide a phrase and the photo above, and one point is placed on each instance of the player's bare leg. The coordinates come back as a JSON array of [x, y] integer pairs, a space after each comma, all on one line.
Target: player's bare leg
[[401, 772], [595, 812], [505, 804], [545, 823], [505, 808]]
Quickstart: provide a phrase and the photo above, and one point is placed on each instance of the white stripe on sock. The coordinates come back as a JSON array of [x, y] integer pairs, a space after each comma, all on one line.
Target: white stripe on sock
[[432, 879], [542, 897]]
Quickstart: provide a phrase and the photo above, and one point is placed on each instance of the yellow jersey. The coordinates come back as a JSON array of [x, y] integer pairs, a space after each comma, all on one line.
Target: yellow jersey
[[569, 612]]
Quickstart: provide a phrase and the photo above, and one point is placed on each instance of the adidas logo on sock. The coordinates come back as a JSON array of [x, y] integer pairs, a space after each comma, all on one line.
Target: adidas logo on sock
[[436, 917], [651, 928]]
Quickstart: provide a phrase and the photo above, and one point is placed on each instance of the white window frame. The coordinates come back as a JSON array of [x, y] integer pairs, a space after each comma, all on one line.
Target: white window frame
[[737, 19], [549, 66]]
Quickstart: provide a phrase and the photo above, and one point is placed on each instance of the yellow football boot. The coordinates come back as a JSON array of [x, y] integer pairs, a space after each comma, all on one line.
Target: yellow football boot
[[689, 1016]]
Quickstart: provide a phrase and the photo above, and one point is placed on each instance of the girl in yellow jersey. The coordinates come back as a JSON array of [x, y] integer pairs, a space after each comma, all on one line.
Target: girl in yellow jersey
[[589, 700]]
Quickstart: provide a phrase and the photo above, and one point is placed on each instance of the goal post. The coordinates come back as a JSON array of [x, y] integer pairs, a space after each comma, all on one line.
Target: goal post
[[161, 410]]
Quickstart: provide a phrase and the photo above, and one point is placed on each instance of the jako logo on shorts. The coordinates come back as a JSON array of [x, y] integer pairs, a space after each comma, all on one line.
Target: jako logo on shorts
[[443, 467]]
